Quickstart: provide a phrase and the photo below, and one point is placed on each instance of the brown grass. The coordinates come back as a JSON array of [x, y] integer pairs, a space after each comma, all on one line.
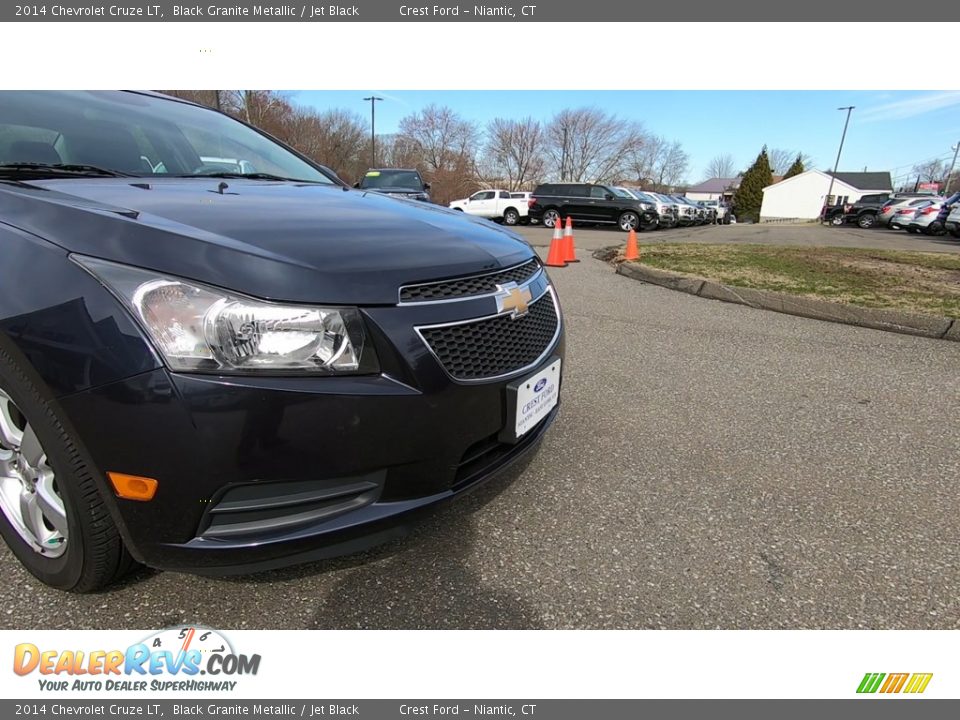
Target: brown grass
[[913, 281]]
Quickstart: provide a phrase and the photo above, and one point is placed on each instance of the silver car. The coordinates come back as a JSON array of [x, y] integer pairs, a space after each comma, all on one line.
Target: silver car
[[666, 211], [890, 208], [924, 215]]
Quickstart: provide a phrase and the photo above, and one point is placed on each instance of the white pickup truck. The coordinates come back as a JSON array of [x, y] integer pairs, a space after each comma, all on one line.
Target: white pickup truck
[[510, 207]]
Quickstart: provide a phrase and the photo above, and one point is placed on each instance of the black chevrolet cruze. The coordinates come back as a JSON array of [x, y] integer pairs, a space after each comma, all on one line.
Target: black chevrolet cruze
[[215, 357]]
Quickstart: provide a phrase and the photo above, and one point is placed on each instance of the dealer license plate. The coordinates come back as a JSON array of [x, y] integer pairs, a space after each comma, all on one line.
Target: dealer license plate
[[537, 395]]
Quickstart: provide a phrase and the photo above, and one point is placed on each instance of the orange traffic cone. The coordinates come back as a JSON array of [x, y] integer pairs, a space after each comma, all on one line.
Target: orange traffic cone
[[557, 257], [568, 246], [632, 252]]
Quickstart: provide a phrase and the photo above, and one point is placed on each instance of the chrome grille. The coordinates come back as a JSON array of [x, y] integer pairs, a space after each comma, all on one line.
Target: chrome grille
[[496, 346], [467, 286]]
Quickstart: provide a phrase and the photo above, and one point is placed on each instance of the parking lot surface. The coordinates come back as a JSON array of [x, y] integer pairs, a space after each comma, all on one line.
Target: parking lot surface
[[810, 234], [713, 466]]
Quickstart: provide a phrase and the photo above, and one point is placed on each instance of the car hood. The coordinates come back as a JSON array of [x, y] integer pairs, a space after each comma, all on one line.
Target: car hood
[[274, 240]]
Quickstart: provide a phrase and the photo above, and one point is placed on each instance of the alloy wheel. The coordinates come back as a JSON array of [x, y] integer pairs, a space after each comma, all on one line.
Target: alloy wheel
[[29, 497], [629, 221]]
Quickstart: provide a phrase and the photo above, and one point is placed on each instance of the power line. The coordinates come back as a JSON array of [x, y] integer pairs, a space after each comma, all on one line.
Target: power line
[[921, 162]]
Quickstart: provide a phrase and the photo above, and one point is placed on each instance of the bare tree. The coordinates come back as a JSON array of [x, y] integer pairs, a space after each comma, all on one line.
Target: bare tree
[[514, 152], [781, 160], [722, 166], [445, 147], [336, 138], [441, 136], [265, 109], [930, 171], [589, 145], [659, 163]]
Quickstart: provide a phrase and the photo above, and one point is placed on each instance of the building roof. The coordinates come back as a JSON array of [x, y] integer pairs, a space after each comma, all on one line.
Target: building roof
[[865, 180], [715, 185]]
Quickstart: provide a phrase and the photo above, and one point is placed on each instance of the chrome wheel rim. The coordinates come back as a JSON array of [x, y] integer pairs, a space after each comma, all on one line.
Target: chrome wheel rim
[[550, 218], [629, 222], [29, 496], [510, 218]]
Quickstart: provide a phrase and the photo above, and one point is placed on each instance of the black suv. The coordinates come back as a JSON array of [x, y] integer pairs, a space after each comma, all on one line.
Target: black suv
[[863, 212], [397, 182], [587, 203]]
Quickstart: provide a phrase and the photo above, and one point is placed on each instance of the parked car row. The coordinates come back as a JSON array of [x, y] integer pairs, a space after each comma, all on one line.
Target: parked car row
[[930, 216], [876, 209], [626, 208]]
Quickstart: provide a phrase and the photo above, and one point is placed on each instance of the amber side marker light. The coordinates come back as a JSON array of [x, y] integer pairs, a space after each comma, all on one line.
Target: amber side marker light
[[133, 487]]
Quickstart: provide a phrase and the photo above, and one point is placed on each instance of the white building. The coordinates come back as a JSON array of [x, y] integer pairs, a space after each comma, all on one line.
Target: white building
[[803, 196]]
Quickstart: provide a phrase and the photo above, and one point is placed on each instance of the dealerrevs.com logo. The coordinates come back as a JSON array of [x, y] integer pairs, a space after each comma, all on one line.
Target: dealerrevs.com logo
[[172, 659]]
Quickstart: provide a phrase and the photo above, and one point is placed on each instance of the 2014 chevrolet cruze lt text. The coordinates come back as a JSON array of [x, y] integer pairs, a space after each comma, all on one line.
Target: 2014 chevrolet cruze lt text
[[230, 371]]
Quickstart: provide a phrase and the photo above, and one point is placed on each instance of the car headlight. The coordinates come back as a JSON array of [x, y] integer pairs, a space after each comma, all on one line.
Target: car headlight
[[646, 206], [198, 328]]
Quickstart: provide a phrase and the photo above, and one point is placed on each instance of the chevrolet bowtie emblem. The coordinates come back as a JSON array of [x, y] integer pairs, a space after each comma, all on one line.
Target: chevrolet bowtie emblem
[[514, 299]]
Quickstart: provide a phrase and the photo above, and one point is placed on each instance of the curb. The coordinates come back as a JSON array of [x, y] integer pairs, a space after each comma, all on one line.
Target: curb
[[930, 326]]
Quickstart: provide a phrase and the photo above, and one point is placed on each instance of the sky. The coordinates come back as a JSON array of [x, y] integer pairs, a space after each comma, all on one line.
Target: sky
[[889, 130]]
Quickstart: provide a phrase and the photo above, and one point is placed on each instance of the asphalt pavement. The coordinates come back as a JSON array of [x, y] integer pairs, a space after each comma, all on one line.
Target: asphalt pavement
[[808, 234], [713, 466]]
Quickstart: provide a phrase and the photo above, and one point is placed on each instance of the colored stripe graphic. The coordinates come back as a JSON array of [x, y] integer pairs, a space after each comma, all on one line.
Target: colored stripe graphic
[[894, 682], [870, 682], [918, 683]]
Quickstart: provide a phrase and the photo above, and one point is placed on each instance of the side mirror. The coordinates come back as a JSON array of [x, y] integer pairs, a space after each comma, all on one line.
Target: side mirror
[[608, 196], [426, 186], [356, 184]]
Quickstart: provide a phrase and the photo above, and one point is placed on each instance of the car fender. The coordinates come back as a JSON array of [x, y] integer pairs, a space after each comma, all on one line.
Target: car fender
[[74, 332]]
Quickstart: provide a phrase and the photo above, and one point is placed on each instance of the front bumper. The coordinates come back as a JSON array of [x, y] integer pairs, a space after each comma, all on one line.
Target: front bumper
[[256, 473]]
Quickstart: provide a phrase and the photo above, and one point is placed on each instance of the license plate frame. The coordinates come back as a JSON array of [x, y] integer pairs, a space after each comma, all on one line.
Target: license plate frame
[[521, 415]]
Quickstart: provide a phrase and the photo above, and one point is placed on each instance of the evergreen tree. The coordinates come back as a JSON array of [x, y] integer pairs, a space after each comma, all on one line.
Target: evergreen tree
[[796, 168], [749, 196]]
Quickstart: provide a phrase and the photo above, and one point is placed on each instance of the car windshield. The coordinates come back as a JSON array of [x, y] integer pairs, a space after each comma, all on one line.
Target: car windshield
[[140, 135], [622, 193], [406, 179]]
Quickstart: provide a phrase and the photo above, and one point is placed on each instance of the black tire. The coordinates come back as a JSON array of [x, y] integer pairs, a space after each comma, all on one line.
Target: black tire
[[628, 221], [459, 209], [935, 229], [836, 220], [867, 220], [510, 217], [955, 233], [913, 230], [95, 555], [550, 217]]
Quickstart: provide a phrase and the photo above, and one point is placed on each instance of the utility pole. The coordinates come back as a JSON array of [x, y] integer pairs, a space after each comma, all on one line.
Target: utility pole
[[373, 128], [836, 165], [563, 158], [953, 163]]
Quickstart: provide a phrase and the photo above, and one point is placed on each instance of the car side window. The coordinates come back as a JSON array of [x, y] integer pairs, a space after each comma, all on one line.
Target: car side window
[[598, 192], [504, 195], [489, 195]]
